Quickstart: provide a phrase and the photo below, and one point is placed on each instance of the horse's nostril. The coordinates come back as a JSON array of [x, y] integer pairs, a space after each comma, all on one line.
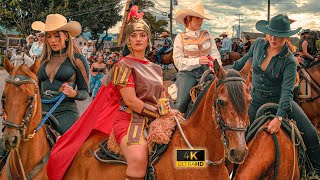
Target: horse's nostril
[[13, 141], [232, 152]]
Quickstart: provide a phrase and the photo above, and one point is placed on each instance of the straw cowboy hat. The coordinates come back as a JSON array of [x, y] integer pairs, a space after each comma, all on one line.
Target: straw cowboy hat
[[278, 26], [28, 38], [197, 11], [164, 34], [224, 34], [57, 22]]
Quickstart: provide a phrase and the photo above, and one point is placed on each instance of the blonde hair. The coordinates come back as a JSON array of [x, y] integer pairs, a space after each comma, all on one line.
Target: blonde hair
[[71, 49], [291, 47]]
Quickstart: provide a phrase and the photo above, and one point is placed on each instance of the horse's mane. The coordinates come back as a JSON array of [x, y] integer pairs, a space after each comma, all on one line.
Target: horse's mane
[[235, 91], [23, 70]]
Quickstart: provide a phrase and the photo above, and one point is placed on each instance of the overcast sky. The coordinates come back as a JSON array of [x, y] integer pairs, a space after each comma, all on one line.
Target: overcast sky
[[305, 12]]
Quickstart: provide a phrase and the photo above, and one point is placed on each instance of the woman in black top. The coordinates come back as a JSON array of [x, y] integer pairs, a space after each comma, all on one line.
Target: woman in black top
[[273, 77], [63, 69], [97, 70]]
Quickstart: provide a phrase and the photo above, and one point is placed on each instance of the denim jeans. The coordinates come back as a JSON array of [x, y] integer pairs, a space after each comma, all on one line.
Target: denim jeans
[[185, 81], [159, 52], [309, 133], [95, 84]]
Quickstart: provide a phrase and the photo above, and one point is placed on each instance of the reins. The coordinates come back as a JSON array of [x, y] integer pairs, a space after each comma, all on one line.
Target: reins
[[219, 120]]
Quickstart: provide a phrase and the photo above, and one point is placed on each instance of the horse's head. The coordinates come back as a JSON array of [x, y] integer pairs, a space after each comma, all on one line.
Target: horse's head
[[19, 102], [231, 104]]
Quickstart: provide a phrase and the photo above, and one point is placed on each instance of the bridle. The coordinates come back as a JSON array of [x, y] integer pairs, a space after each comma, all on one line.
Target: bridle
[[217, 102], [22, 127]]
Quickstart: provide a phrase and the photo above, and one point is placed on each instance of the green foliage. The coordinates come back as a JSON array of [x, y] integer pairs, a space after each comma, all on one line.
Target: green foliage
[[95, 16], [156, 26]]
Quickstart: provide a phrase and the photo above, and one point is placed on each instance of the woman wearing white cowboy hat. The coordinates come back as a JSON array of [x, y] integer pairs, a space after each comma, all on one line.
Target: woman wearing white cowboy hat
[[63, 69], [191, 51], [273, 77]]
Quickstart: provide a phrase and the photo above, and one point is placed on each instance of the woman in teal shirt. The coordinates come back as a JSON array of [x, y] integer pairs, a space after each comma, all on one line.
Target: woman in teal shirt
[[273, 78]]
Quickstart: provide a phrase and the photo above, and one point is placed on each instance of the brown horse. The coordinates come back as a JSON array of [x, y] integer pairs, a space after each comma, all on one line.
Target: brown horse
[[311, 107], [261, 157], [22, 114], [220, 116], [166, 59], [233, 56], [260, 161]]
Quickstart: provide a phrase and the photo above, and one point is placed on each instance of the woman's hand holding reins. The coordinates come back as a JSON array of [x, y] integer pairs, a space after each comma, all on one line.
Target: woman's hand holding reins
[[274, 125], [68, 90]]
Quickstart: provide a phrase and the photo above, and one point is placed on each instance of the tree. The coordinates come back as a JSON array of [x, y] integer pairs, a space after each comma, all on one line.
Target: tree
[[95, 16], [156, 26], [19, 15]]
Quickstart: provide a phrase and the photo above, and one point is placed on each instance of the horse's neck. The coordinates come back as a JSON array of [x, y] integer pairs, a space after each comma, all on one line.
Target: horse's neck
[[201, 128], [31, 152]]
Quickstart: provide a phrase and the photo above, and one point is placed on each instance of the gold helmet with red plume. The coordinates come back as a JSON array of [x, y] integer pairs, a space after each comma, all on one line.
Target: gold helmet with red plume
[[136, 23]]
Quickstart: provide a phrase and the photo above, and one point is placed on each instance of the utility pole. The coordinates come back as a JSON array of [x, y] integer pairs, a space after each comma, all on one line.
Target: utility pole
[[170, 16], [268, 10], [239, 23]]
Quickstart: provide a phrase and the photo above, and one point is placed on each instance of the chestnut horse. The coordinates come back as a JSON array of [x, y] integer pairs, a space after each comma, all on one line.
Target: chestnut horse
[[22, 114], [262, 154], [233, 56], [311, 106], [261, 158], [217, 124]]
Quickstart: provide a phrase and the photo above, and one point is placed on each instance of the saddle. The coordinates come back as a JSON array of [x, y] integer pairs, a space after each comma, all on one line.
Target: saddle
[[307, 82], [303, 160], [304, 85], [110, 154]]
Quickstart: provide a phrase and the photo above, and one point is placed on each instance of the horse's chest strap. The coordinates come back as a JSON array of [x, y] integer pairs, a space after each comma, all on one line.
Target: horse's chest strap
[[34, 171]]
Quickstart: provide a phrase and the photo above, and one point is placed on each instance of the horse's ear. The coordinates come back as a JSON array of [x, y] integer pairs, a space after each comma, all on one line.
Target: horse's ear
[[218, 70], [246, 69], [8, 66], [35, 66]]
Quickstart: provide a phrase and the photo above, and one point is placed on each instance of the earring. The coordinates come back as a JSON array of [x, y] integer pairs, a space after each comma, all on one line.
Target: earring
[[67, 40]]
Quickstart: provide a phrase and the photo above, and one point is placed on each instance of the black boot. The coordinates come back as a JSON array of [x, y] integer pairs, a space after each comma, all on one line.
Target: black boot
[[314, 156]]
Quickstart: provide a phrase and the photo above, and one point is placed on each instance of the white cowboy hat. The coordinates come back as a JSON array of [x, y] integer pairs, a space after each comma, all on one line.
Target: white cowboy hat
[[197, 11], [224, 34], [164, 34], [57, 22], [28, 38]]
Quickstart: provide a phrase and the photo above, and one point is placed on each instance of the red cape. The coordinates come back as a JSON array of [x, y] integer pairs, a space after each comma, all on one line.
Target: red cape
[[98, 116]]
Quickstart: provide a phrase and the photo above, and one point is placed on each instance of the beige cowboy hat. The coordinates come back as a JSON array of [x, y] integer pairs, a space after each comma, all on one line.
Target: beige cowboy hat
[[164, 34], [197, 11], [28, 38], [57, 22], [224, 34]]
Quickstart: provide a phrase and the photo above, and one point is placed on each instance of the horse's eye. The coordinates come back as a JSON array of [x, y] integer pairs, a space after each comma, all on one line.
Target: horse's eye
[[221, 102]]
